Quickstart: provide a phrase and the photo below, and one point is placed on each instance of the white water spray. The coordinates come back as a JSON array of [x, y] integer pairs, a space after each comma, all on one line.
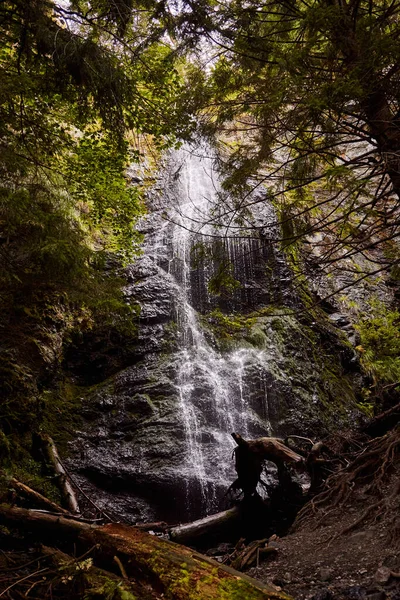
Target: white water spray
[[212, 386]]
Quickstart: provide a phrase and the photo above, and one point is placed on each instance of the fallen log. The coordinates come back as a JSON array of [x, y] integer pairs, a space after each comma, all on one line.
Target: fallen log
[[176, 572], [160, 526], [69, 576], [214, 525], [51, 455], [38, 500]]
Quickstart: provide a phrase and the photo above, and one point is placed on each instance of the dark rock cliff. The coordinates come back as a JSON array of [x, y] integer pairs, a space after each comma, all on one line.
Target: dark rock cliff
[[155, 441]]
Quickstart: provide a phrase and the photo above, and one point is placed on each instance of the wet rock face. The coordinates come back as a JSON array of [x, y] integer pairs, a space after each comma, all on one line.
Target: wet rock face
[[258, 267], [148, 286], [129, 452], [157, 441]]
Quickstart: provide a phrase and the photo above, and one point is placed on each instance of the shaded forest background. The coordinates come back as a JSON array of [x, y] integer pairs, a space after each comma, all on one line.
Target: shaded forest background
[[300, 100]]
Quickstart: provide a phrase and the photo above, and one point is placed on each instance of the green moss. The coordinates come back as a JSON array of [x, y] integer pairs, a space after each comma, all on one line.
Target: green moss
[[337, 390], [239, 590], [277, 325], [367, 408], [302, 353], [32, 473], [183, 581], [109, 590], [257, 338], [229, 329], [180, 580], [61, 412], [380, 343]]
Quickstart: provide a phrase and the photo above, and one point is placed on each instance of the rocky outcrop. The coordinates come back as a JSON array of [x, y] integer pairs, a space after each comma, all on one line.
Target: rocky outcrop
[[156, 440]]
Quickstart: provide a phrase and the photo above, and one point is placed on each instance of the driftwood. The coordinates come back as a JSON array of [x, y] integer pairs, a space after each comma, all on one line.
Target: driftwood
[[251, 454], [217, 524], [176, 572], [67, 491], [250, 555]]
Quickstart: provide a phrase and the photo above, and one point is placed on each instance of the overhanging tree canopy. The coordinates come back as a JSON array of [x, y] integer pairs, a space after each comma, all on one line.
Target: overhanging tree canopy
[[306, 93], [80, 83]]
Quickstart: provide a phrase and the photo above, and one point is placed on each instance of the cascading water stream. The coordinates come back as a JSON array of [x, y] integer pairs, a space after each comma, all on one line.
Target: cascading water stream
[[212, 387], [157, 442]]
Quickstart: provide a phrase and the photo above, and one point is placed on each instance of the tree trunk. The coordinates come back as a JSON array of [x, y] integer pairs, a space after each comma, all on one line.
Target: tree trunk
[[207, 528], [176, 572], [378, 114], [384, 127], [251, 454], [67, 491]]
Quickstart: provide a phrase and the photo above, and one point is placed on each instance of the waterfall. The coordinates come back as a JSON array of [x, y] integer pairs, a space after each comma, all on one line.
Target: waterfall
[[156, 444], [156, 439], [213, 387]]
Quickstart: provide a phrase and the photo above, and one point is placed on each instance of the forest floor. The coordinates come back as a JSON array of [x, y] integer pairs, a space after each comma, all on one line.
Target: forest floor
[[320, 563], [343, 545]]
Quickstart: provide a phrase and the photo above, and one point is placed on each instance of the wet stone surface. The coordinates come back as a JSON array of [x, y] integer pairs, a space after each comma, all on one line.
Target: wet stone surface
[[157, 437]]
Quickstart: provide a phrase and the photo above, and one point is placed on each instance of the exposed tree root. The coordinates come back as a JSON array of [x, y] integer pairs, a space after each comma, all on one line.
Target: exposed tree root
[[369, 471]]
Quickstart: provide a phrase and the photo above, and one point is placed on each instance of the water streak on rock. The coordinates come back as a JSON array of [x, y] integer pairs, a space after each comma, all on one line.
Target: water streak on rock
[[156, 441], [212, 386]]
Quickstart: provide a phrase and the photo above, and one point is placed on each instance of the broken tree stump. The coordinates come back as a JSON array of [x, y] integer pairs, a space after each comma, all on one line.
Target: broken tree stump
[[251, 454], [176, 572], [250, 555], [269, 448]]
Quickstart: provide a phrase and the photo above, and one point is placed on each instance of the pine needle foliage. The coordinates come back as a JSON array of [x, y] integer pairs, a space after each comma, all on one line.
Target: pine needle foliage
[[302, 98]]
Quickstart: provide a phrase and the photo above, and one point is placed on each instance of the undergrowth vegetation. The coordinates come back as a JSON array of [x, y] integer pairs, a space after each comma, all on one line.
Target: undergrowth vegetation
[[380, 344], [73, 107]]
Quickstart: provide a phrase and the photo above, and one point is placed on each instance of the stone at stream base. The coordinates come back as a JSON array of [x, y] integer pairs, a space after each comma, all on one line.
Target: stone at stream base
[[325, 574]]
